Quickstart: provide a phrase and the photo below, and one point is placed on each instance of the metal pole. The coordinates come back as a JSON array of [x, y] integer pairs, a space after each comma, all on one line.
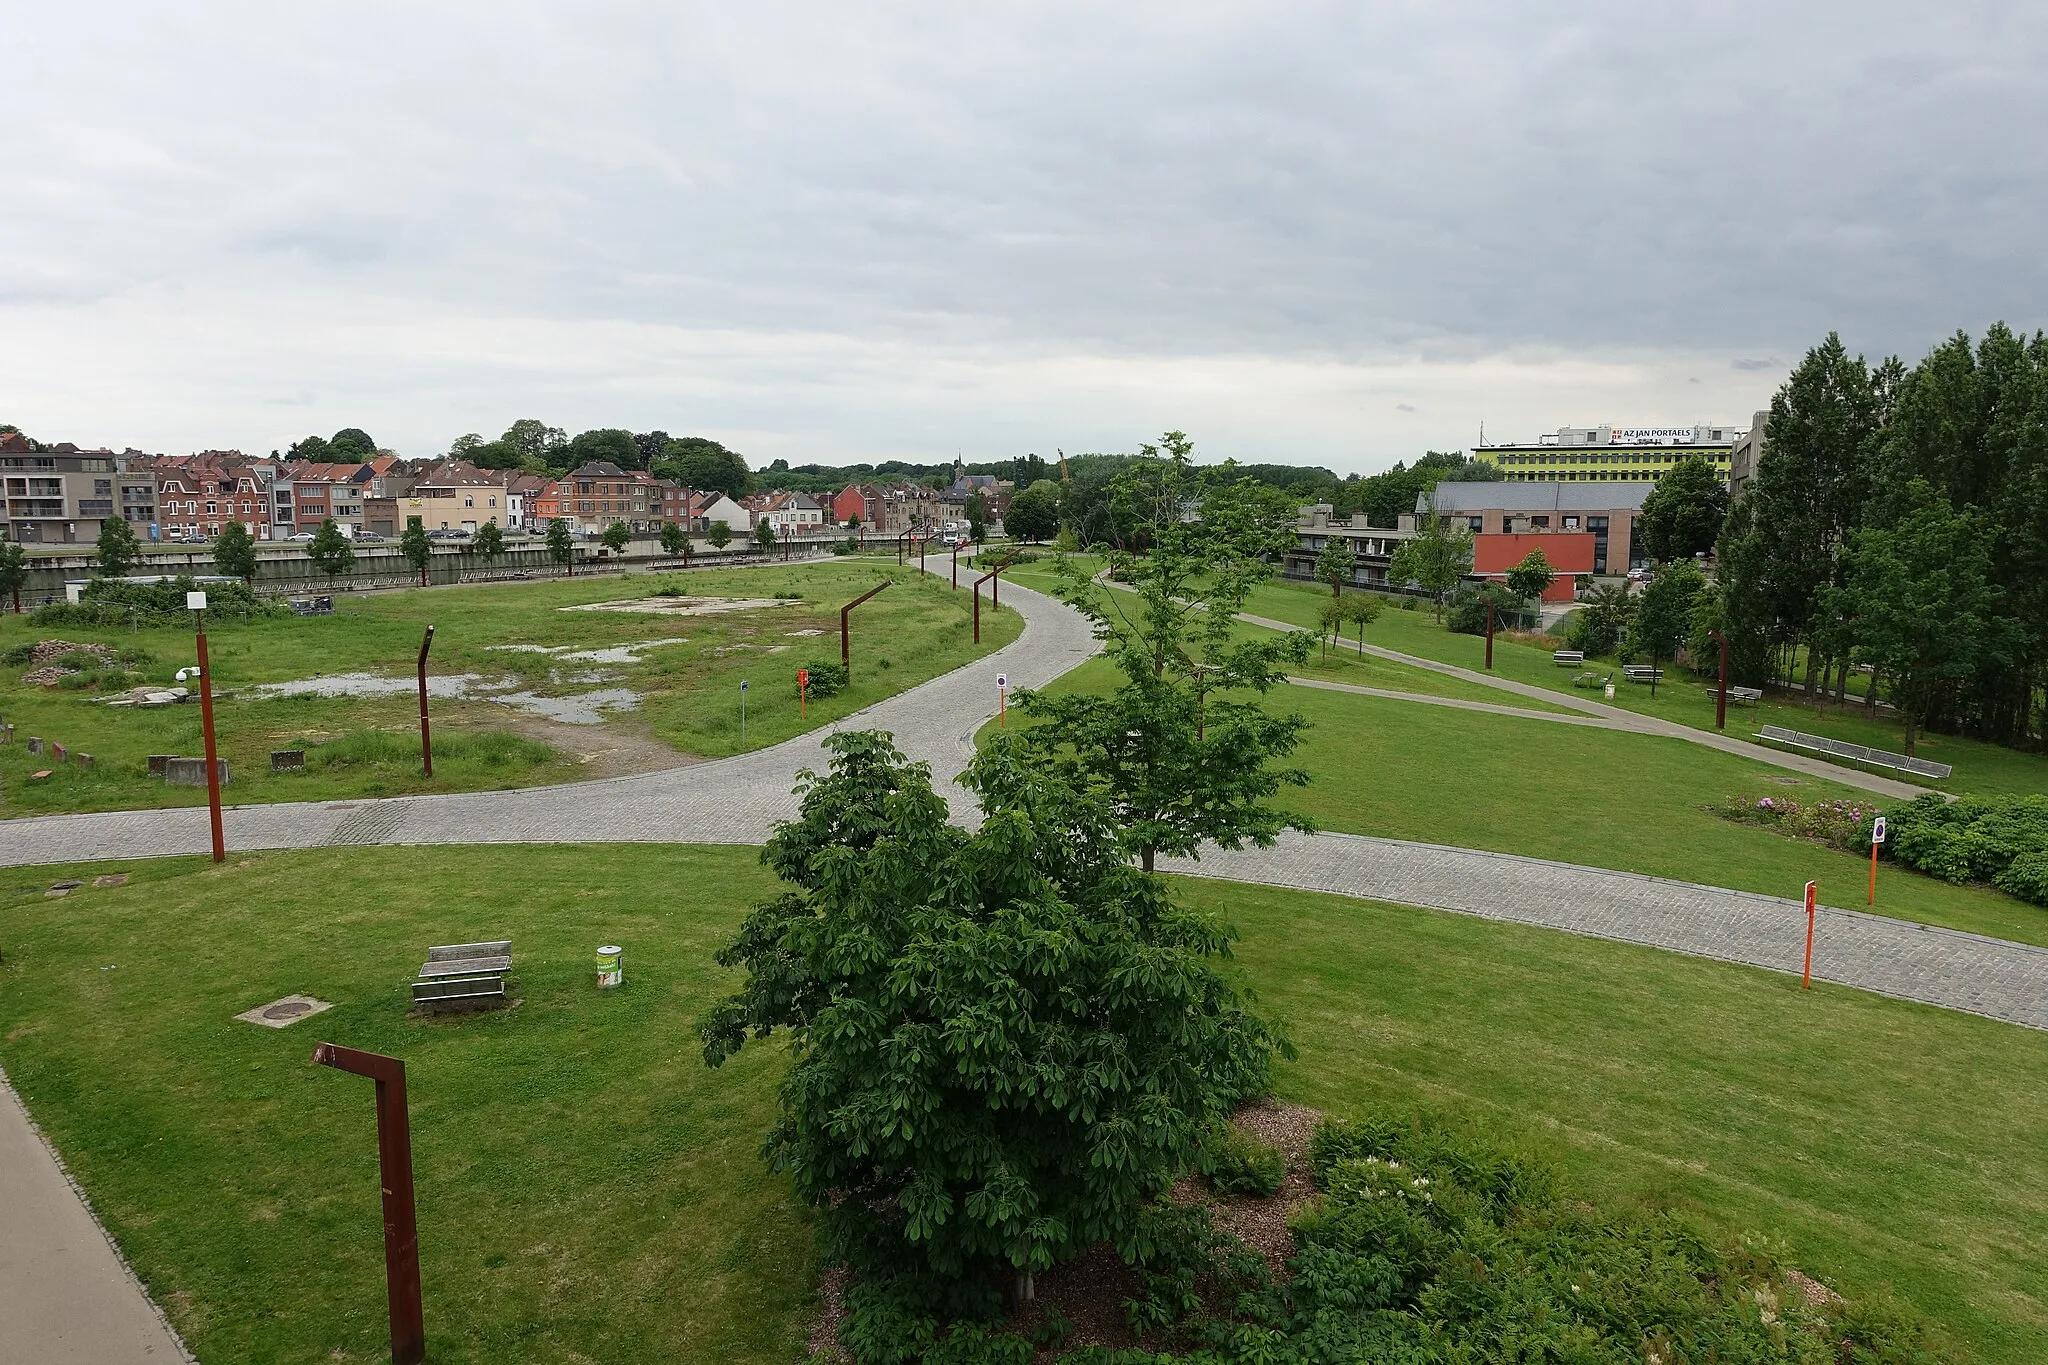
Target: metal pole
[[743, 710], [977, 601], [1489, 637], [845, 654], [426, 735], [220, 843], [1806, 973], [956, 566], [1721, 694], [394, 1166]]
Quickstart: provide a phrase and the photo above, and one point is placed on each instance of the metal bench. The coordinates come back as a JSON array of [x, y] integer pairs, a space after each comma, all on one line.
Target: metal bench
[[1752, 695], [1835, 748], [1568, 657], [465, 974], [1642, 673]]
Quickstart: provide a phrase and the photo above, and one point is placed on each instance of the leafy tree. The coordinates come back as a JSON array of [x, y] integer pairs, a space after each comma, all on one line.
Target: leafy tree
[[312, 449], [605, 443], [977, 517], [1330, 621], [464, 447], [1182, 750], [1684, 513], [674, 540], [13, 571], [1006, 1044], [700, 463], [1439, 555], [720, 535], [1361, 610], [1663, 614], [536, 441], [561, 548], [330, 550], [234, 552], [617, 537], [117, 547], [764, 535], [651, 445], [1467, 612], [351, 443], [1925, 607], [1034, 512], [1602, 620], [417, 547], [1336, 564], [490, 540], [1532, 577]]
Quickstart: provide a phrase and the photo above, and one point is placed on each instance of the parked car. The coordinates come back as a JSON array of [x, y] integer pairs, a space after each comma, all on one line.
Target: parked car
[[303, 535], [368, 538]]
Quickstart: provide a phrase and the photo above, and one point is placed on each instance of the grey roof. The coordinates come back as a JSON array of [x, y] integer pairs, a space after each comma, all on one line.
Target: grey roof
[[1549, 496]]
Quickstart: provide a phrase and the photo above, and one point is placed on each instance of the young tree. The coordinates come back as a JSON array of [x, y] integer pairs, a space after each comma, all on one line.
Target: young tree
[[117, 548], [417, 548], [330, 550], [977, 517], [1602, 620], [1005, 1044], [674, 540], [1683, 515], [1181, 749], [561, 548], [1663, 615], [1438, 556], [234, 552], [720, 535], [1336, 564], [1361, 609], [1925, 608], [1330, 619], [1531, 578], [617, 537], [13, 571], [490, 540], [764, 535], [1034, 512]]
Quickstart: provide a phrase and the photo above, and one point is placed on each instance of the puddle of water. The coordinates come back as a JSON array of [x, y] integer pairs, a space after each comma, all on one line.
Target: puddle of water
[[685, 606], [449, 685], [803, 632], [582, 709], [611, 654]]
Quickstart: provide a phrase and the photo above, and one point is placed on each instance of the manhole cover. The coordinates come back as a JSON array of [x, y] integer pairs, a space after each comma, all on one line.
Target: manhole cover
[[284, 1012]]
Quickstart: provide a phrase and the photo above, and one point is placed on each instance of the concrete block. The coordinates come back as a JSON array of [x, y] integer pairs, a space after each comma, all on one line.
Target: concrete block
[[191, 772]]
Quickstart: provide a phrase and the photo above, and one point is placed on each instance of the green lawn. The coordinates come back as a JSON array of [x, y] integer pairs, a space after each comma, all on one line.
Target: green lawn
[[1576, 794], [914, 631], [589, 1192], [1980, 768]]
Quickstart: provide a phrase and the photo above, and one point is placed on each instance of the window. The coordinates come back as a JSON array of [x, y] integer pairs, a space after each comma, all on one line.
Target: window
[[1571, 523], [1544, 522], [103, 488], [212, 510]]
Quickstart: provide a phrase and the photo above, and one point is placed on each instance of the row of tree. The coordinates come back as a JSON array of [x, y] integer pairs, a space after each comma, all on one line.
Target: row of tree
[[1899, 521]]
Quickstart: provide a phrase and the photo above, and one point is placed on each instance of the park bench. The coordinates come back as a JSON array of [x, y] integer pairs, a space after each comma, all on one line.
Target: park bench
[[1752, 695], [313, 606], [464, 974], [1642, 673], [1835, 748], [1568, 657]]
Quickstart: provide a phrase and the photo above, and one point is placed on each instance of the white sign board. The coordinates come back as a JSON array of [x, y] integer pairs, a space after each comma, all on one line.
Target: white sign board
[[1877, 831], [1002, 680], [195, 601]]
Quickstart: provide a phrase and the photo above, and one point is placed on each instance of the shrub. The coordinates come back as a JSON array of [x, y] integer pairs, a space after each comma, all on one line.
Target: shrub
[[2003, 841], [1241, 1164], [828, 679], [1843, 824], [115, 602], [1467, 614], [847, 546]]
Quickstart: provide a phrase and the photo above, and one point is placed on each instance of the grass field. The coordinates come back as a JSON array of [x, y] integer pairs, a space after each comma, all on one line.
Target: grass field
[[1980, 768], [367, 746], [589, 1192]]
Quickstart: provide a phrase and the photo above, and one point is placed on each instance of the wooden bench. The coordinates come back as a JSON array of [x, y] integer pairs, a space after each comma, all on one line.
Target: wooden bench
[[1752, 695], [1835, 748], [1568, 657], [465, 974], [1642, 673]]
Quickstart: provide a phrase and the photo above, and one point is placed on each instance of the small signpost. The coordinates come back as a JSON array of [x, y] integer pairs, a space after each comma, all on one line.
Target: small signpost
[[803, 692], [1877, 833], [1806, 975], [1002, 700]]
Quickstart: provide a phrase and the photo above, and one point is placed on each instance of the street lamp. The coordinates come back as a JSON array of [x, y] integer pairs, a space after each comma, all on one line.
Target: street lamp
[[197, 602]]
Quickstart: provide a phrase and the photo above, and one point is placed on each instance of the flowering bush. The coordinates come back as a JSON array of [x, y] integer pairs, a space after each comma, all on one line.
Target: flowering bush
[[1841, 823]]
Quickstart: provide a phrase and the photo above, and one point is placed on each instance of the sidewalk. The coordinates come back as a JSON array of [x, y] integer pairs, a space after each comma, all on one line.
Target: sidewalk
[[66, 1297]]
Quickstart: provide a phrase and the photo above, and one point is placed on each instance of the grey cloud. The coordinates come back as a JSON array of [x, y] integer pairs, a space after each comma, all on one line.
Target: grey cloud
[[1404, 407], [1753, 364]]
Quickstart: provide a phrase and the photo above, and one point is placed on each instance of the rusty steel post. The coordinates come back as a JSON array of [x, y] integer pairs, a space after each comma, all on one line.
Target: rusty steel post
[[220, 843], [1721, 693], [426, 735], [977, 601], [1489, 637], [401, 1222], [845, 654], [956, 566]]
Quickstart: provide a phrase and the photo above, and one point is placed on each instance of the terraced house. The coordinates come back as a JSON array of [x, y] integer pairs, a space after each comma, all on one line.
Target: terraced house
[[198, 495], [593, 496], [59, 494]]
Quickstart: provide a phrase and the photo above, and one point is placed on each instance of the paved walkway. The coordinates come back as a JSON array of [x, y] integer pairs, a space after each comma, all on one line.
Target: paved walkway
[[66, 1297]]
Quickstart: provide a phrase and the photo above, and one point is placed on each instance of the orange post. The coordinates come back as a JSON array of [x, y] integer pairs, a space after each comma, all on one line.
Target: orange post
[[803, 693], [1806, 975], [1872, 898]]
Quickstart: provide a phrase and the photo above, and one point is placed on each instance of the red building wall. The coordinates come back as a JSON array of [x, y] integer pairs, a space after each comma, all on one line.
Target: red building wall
[[1569, 552]]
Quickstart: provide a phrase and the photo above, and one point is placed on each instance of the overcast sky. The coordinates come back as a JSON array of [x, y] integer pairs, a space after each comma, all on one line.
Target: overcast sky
[[1338, 234]]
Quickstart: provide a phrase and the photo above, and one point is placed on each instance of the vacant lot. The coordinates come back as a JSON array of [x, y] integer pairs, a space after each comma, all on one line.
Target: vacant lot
[[589, 1192], [528, 687]]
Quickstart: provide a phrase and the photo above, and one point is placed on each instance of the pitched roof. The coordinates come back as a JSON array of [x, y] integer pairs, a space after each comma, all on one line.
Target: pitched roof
[[1545, 496]]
